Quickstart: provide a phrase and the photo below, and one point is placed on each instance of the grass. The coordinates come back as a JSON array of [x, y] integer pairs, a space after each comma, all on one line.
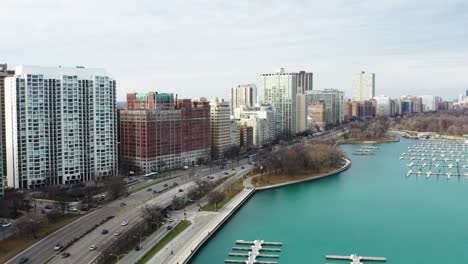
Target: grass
[[168, 238], [13, 245], [272, 179], [236, 188]]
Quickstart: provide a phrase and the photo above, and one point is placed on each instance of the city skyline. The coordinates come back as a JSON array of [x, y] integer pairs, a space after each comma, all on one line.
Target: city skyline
[[413, 48]]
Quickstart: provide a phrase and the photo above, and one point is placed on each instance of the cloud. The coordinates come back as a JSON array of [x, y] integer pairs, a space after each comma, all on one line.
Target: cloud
[[204, 47]]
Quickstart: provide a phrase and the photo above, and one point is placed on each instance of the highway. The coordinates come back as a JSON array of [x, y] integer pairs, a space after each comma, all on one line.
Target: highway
[[42, 251]]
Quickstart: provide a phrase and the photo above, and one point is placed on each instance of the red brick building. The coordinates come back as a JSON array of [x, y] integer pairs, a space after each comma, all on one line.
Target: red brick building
[[157, 132]]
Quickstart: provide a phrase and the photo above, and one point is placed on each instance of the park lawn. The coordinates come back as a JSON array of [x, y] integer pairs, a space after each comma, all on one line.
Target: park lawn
[[13, 245], [168, 238], [359, 141], [272, 179], [236, 188]]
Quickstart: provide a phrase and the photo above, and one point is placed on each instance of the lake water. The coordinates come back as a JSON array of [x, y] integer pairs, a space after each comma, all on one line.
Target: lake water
[[372, 209]]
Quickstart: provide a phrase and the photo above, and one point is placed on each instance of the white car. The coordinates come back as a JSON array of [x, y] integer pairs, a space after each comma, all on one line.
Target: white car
[[124, 223], [92, 247], [6, 225], [58, 247], [117, 233]]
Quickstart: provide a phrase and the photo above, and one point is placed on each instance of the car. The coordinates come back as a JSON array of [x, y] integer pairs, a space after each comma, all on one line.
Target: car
[[137, 248], [117, 233], [74, 210], [169, 227], [175, 184], [185, 167], [85, 209], [165, 185], [123, 204], [48, 207], [170, 220], [65, 255], [43, 211], [104, 231], [6, 225], [149, 190], [23, 260], [155, 192], [242, 167], [92, 247], [58, 247], [226, 173], [124, 223], [181, 190]]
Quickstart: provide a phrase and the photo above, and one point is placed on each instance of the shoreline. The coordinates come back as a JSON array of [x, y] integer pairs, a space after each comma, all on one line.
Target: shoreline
[[357, 142], [250, 192]]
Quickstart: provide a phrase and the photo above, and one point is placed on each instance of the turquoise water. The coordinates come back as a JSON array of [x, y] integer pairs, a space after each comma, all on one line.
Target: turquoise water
[[371, 209]]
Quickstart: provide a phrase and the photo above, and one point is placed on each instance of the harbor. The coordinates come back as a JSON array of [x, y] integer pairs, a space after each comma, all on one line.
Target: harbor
[[439, 158], [399, 218]]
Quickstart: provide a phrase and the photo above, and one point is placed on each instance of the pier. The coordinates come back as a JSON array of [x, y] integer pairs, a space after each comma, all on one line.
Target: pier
[[355, 259], [254, 251]]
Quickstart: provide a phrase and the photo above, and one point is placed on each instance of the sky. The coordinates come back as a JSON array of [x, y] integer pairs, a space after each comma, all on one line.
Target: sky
[[202, 48]]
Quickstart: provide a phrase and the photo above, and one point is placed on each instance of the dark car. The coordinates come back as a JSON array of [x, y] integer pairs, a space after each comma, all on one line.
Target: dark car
[[137, 248], [155, 192], [165, 185], [123, 204], [149, 190], [23, 260], [65, 255], [242, 167], [180, 190], [169, 227], [104, 231]]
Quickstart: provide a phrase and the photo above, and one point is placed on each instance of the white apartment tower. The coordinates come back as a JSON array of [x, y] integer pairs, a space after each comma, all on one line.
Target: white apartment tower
[[243, 95], [363, 86], [60, 126], [282, 90]]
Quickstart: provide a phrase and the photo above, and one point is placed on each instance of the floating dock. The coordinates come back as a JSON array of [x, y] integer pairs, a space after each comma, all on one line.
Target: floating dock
[[355, 259], [254, 251]]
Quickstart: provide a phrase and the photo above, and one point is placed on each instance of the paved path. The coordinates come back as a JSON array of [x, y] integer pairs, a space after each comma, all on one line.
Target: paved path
[[203, 225]]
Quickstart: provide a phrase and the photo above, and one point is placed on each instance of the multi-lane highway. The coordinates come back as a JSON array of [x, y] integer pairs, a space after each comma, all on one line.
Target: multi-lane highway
[[42, 251]]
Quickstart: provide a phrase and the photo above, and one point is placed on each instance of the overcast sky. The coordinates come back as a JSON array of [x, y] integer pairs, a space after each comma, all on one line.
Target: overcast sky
[[203, 47]]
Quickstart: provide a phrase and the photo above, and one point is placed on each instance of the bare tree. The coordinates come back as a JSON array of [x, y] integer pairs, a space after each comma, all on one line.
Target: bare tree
[[152, 214], [216, 197], [116, 187], [30, 224]]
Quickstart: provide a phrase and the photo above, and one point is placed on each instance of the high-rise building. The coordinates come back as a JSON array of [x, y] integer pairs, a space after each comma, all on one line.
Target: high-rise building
[[60, 126], [384, 106], [429, 103], [363, 86], [159, 132], [221, 138], [333, 100], [4, 72], [281, 89], [262, 121], [316, 115], [243, 95]]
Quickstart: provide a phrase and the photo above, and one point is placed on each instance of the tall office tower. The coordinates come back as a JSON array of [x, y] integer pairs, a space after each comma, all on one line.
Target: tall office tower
[[60, 126], [333, 100], [159, 132], [4, 72], [281, 89], [384, 106], [363, 86], [243, 95], [221, 138], [316, 115]]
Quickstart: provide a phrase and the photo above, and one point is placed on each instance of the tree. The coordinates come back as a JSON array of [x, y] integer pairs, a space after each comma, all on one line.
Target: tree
[[116, 187], [216, 197], [16, 201], [53, 215], [152, 214], [30, 224], [63, 206]]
